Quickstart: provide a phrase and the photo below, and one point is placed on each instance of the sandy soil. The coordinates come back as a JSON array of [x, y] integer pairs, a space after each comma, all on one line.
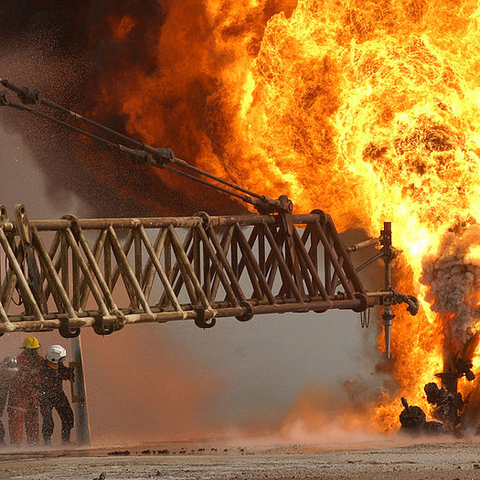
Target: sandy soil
[[394, 460]]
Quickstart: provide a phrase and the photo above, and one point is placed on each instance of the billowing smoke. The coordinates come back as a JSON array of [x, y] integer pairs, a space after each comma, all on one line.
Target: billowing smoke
[[453, 278], [67, 51]]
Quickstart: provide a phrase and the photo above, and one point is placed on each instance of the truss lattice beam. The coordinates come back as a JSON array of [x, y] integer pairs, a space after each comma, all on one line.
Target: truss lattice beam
[[107, 273]]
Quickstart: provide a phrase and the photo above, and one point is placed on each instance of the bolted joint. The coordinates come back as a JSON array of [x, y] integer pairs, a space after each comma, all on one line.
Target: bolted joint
[[162, 155], [388, 319], [29, 96], [323, 217], [388, 254], [285, 204], [266, 205], [74, 224], [139, 157]]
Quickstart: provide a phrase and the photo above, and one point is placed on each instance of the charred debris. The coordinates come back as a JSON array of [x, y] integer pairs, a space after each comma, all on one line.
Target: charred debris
[[449, 408]]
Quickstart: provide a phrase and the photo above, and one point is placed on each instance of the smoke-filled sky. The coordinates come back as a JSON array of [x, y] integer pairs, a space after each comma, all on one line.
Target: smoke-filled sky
[[173, 381]]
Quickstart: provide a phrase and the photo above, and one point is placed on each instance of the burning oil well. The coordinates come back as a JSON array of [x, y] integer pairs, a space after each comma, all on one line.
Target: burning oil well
[[368, 110], [452, 277]]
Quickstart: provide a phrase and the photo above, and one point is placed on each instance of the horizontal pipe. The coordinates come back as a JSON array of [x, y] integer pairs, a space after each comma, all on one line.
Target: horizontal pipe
[[364, 244], [158, 222], [51, 321]]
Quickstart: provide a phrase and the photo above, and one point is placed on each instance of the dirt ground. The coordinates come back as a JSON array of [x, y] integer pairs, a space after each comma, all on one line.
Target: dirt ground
[[399, 460]]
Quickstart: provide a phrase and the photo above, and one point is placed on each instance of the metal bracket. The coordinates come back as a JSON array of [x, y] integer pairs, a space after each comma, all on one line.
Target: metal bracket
[[99, 324], [365, 318], [200, 319], [364, 299], [99, 327], [248, 314], [65, 330]]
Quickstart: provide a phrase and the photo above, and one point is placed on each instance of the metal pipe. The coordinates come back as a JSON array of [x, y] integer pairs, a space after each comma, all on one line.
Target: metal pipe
[[387, 258], [163, 317], [157, 157], [364, 244], [162, 222]]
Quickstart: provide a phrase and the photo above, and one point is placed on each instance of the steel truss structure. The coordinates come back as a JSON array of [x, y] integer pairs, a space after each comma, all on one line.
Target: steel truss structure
[[107, 273]]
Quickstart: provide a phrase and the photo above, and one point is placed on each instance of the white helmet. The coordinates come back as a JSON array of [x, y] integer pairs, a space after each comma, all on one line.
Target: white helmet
[[10, 364], [55, 353]]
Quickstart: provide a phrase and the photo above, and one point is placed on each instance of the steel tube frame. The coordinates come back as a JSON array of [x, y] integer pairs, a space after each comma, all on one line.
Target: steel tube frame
[[214, 269]]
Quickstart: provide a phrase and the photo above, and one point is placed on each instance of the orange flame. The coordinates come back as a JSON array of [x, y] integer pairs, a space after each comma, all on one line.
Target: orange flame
[[365, 109]]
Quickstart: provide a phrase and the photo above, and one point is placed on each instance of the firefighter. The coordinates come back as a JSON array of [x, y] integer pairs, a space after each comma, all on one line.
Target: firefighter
[[52, 374], [22, 407], [8, 372]]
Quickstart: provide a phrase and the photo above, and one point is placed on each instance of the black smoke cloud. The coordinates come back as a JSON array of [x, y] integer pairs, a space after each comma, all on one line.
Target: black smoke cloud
[[66, 50]]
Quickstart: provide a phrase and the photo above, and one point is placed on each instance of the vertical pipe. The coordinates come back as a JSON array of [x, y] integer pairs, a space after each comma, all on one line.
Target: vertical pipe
[[82, 427], [387, 258]]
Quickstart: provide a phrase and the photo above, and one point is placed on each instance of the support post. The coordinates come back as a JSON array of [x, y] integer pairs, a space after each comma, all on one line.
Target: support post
[[79, 395]]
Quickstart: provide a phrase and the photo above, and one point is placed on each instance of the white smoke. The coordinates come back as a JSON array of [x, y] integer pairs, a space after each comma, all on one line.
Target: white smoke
[[453, 275]]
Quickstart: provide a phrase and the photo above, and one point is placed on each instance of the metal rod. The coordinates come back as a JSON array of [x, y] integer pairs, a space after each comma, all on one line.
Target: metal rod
[[364, 244], [163, 317], [27, 294], [159, 157], [161, 222]]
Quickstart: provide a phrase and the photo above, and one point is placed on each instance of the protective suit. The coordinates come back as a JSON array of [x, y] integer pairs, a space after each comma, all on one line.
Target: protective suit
[[52, 374], [22, 405]]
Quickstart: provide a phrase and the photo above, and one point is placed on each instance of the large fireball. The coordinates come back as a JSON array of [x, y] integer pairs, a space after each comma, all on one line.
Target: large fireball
[[366, 109]]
